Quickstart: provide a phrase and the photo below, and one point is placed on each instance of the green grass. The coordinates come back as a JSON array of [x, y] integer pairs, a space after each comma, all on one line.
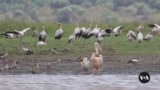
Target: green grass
[[110, 45]]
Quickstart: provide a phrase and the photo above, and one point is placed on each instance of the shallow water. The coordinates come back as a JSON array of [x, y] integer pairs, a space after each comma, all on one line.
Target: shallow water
[[76, 82]]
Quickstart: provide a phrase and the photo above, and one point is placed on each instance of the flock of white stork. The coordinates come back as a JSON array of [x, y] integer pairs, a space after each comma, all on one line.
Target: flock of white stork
[[96, 59]]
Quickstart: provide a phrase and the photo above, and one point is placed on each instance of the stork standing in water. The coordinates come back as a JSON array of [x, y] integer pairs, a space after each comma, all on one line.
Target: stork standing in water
[[59, 32], [97, 59]]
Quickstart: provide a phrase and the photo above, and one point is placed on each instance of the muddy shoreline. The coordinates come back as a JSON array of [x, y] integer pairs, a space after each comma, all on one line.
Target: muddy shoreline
[[65, 65]]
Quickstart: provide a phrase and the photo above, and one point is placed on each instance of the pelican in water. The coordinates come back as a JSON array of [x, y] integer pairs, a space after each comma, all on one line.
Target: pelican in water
[[35, 68], [42, 35], [59, 32], [85, 64], [97, 59]]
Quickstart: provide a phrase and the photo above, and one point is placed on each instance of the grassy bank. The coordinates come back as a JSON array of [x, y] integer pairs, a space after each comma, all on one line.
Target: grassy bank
[[110, 45]]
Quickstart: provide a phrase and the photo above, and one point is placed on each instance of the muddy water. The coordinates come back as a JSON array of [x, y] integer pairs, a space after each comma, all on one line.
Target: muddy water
[[76, 82]]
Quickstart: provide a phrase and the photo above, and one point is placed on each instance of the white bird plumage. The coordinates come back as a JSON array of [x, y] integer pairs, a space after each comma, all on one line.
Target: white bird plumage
[[42, 35], [85, 64], [59, 32], [131, 35], [140, 37]]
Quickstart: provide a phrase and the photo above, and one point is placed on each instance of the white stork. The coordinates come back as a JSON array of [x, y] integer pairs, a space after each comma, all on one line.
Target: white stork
[[131, 35], [77, 31], [140, 37], [9, 34], [155, 28], [42, 35], [41, 43], [59, 32], [148, 36], [140, 27], [22, 32], [134, 60], [27, 51], [116, 31], [71, 38], [86, 31], [94, 32]]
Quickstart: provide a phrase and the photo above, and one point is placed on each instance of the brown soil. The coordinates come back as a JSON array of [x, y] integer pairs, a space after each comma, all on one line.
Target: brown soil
[[65, 64]]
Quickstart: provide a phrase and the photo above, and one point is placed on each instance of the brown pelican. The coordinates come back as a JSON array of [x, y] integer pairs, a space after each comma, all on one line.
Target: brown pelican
[[97, 59], [59, 32]]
